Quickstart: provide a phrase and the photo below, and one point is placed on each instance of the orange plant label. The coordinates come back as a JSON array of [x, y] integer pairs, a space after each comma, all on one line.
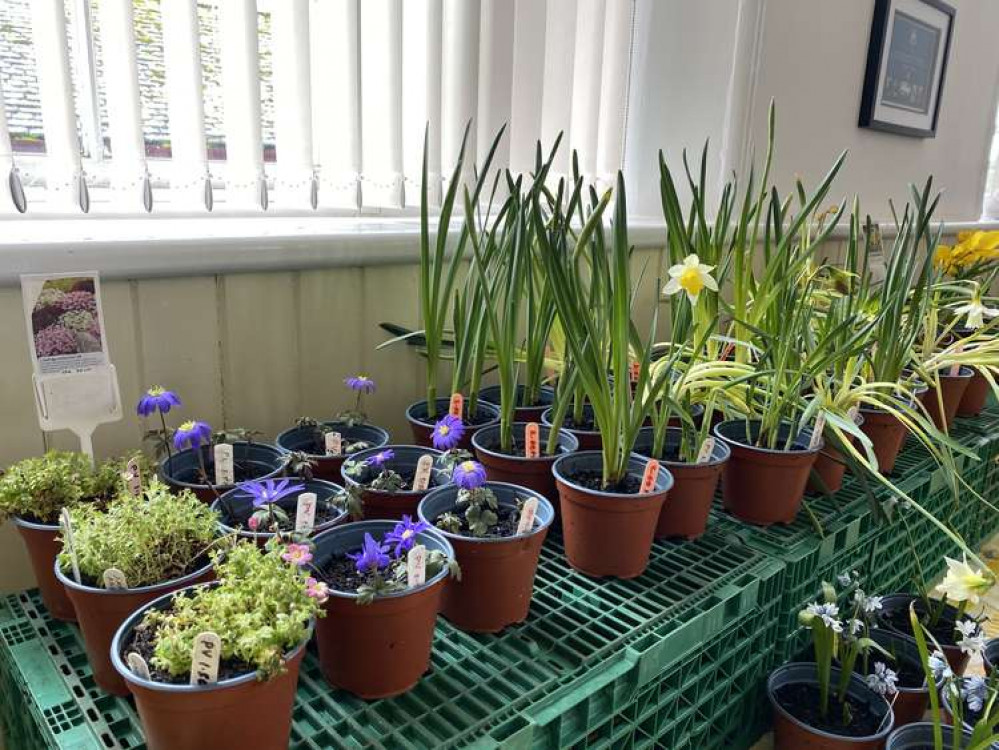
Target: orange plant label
[[636, 370], [650, 476], [532, 440], [457, 407]]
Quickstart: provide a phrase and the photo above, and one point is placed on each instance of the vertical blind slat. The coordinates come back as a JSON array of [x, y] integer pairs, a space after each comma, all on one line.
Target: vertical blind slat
[[496, 30], [6, 162], [293, 106], [614, 78], [585, 107], [556, 98], [459, 97], [241, 98], [381, 103], [421, 97], [528, 54]]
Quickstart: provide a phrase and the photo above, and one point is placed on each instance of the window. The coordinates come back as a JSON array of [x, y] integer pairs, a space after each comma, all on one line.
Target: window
[[295, 106]]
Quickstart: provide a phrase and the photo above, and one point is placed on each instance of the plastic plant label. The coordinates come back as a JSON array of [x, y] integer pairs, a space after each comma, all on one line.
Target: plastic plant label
[[532, 440], [955, 369], [205, 657], [69, 544], [423, 468], [133, 478], [707, 449], [114, 579], [225, 473], [457, 405], [820, 425], [527, 514], [649, 476], [334, 443], [305, 513], [138, 665], [853, 413], [636, 371], [416, 566]]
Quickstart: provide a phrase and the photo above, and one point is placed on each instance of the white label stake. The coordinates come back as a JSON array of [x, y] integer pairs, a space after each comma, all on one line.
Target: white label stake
[[457, 405], [224, 472], [334, 443], [114, 579], [138, 665], [423, 468], [706, 451], [527, 513], [67, 530], [205, 658], [133, 477], [416, 566], [820, 425], [305, 513], [532, 440]]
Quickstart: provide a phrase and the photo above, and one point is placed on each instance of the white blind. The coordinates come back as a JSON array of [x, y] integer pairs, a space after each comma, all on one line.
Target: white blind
[[321, 104]]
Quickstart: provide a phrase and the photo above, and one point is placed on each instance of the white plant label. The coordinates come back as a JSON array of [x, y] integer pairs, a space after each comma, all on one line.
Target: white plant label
[[820, 425], [138, 665], [133, 477], [527, 514], [706, 451], [649, 477], [205, 657], [334, 443], [67, 530], [457, 406], [225, 473], [853, 413], [114, 579], [305, 513], [423, 468], [532, 440], [416, 566]]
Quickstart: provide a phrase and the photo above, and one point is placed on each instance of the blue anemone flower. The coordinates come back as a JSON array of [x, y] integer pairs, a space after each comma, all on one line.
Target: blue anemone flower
[[372, 557], [158, 399], [379, 459], [192, 433], [269, 491], [448, 433], [403, 536], [469, 475]]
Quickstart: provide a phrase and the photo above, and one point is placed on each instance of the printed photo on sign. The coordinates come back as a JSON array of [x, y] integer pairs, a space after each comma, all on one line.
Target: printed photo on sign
[[65, 324]]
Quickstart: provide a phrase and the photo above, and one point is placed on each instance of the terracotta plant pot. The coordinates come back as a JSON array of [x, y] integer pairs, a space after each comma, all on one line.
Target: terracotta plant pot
[[920, 737], [952, 389], [910, 703], [792, 734], [393, 505], [589, 440], [328, 467], [240, 504], [380, 649], [975, 396], [685, 513], [533, 473], [830, 468], [43, 546], [423, 427], [546, 398], [233, 714], [607, 533], [760, 485], [497, 574], [102, 611], [957, 660], [887, 435], [182, 471]]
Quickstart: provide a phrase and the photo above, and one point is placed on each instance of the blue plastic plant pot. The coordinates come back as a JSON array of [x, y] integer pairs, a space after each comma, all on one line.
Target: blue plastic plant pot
[[380, 504], [182, 470], [235, 507], [423, 426], [305, 440]]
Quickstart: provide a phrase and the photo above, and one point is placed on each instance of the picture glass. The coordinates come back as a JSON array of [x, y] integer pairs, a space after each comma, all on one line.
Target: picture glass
[[912, 62]]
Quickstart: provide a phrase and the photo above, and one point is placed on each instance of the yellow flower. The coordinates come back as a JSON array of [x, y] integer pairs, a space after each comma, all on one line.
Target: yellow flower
[[691, 276], [962, 584]]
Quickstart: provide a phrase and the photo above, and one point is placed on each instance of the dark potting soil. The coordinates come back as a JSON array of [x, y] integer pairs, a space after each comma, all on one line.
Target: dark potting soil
[[408, 474], [802, 702], [594, 480], [242, 471], [325, 512], [171, 575], [142, 640], [898, 619], [340, 573], [506, 524], [318, 447], [587, 424]]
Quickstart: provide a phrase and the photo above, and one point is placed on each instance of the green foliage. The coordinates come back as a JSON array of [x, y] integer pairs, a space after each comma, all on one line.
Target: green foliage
[[394, 578], [260, 610], [480, 509], [151, 539]]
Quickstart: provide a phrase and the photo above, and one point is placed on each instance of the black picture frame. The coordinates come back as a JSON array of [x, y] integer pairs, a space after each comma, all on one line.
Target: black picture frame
[[884, 11]]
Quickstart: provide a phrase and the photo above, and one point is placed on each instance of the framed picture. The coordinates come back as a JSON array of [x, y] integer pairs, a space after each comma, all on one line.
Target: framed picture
[[906, 64]]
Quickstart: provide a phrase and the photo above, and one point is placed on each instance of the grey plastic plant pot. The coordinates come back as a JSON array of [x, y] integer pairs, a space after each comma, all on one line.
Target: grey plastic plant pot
[[957, 660], [607, 533], [761, 485], [532, 413], [921, 737], [181, 471], [234, 714], [328, 467], [241, 505], [380, 649], [423, 426], [910, 703], [589, 440], [685, 514], [42, 543], [533, 473], [991, 655], [792, 734], [379, 504], [101, 611], [497, 573], [948, 712]]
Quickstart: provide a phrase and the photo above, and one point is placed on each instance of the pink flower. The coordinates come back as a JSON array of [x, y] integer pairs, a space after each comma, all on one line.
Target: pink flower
[[298, 554], [253, 523], [317, 590]]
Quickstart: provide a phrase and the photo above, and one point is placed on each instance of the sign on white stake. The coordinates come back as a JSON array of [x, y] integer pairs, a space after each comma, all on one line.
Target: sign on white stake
[[205, 657]]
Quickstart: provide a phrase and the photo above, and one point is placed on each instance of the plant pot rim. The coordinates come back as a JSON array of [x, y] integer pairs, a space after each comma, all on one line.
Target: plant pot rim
[[69, 583], [888, 722], [556, 470], [964, 373], [892, 635], [928, 726], [264, 535], [480, 406], [538, 528], [772, 451], [285, 434], [719, 454], [167, 687], [486, 392], [350, 481], [387, 525], [563, 435], [546, 420], [33, 525], [279, 454]]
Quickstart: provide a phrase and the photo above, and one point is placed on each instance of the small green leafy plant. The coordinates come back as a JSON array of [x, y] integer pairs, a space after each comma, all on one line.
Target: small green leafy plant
[[153, 538]]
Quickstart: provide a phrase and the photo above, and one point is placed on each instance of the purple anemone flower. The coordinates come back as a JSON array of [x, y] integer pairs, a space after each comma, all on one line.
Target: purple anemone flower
[[469, 475], [360, 383], [372, 556], [403, 536], [380, 458], [192, 433], [158, 399], [448, 433], [269, 490]]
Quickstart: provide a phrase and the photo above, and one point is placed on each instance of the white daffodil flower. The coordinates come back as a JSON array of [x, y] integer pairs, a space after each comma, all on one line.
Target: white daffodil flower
[[691, 276], [962, 583], [976, 312]]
